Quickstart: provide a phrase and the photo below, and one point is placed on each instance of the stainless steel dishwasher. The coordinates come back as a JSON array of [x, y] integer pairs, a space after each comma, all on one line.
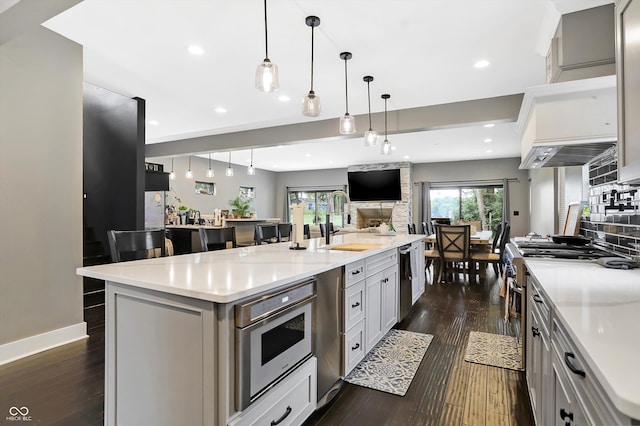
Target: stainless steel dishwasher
[[329, 320], [406, 276]]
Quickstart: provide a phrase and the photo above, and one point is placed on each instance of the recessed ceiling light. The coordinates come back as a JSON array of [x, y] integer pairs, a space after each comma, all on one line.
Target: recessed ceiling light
[[393, 148], [196, 50], [221, 110], [307, 155], [489, 151], [280, 146], [153, 122], [406, 157], [330, 161], [489, 125], [481, 64], [275, 166], [487, 140], [284, 98]]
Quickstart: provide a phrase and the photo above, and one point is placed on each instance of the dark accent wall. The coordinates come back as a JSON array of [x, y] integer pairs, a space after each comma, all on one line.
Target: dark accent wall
[[113, 162]]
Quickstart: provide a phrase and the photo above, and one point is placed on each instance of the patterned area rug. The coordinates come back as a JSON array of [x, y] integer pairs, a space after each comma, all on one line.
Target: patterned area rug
[[392, 363], [495, 350]]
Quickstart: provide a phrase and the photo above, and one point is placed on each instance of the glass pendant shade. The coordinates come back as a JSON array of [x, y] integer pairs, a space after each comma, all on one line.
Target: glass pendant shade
[[386, 148], [370, 138], [172, 175], [347, 124], [251, 171], [311, 105], [267, 79], [228, 172], [189, 173], [210, 170]]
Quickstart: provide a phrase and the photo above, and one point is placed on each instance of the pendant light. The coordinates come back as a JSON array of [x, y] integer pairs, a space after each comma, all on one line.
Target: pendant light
[[370, 136], [229, 171], [189, 173], [210, 173], [311, 103], [251, 171], [172, 175], [267, 72], [347, 123], [386, 146]]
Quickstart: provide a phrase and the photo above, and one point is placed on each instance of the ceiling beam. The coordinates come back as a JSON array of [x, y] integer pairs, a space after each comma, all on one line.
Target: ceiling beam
[[20, 16], [502, 109]]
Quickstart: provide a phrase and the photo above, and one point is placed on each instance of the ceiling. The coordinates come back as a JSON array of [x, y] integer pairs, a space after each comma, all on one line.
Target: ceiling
[[421, 52]]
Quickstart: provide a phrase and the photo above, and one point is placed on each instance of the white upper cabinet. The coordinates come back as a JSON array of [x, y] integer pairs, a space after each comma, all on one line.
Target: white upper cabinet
[[628, 72]]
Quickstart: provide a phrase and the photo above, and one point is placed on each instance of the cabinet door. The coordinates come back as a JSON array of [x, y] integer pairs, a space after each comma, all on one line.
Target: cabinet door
[[389, 299], [418, 276], [373, 307], [628, 72], [566, 409], [534, 367], [545, 379]]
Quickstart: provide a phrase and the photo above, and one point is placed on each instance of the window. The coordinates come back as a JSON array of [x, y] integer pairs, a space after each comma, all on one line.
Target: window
[[471, 204], [247, 192], [317, 203], [205, 188]]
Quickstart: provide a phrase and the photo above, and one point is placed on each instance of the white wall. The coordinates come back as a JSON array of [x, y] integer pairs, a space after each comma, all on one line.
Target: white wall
[[40, 185], [227, 188], [543, 213], [483, 170]]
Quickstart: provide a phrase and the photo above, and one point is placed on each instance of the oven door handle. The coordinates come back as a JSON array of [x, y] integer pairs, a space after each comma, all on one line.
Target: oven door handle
[[277, 314]]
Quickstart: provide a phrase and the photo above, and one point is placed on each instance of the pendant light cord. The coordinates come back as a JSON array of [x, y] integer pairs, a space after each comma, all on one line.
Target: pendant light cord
[[312, 28], [369, 97], [346, 89], [266, 38], [209, 160], [251, 158], [385, 120]]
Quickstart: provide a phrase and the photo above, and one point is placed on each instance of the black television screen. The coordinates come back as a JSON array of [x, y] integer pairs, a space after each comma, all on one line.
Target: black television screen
[[375, 185]]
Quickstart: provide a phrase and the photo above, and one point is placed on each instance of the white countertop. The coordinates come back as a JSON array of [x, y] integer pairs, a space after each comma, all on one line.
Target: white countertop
[[600, 307], [228, 275]]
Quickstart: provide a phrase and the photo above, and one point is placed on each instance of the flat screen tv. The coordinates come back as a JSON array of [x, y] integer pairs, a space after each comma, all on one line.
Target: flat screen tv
[[375, 185]]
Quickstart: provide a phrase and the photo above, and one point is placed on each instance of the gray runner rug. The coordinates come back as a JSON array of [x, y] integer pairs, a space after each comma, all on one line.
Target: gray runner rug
[[391, 365], [495, 350]]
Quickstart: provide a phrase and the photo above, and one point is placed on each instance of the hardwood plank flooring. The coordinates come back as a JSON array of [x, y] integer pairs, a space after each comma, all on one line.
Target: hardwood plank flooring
[[65, 385]]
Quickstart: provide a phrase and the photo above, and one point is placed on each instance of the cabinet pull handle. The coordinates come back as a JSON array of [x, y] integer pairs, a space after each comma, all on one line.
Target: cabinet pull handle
[[355, 305], [567, 414], [535, 331], [284, 416], [357, 345], [537, 298], [356, 272], [574, 370]]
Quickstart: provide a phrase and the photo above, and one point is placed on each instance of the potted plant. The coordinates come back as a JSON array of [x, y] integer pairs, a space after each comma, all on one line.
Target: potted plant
[[240, 207]]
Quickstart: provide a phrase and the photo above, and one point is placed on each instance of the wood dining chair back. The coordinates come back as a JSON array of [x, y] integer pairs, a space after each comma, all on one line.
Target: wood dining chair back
[[217, 238], [453, 244], [135, 245], [285, 231], [495, 255], [266, 234]]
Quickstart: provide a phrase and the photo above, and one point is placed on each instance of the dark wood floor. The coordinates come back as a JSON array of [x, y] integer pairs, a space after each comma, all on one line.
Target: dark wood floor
[[65, 385]]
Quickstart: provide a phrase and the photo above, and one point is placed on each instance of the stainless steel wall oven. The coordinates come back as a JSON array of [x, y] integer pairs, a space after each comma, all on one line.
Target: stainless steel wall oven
[[274, 334]]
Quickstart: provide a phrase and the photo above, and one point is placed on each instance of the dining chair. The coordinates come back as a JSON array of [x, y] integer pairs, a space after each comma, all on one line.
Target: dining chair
[[135, 245], [285, 231], [411, 228], [217, 238], [494, 256], [453, 243], [425, 229], [266, 234], [323, 229], [306, 230]]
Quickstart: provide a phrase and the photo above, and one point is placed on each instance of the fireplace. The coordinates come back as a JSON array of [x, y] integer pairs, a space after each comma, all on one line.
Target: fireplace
[[372, 217]]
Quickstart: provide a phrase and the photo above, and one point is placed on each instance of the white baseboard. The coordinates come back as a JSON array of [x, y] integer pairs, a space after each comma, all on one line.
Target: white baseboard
[[41, 342]]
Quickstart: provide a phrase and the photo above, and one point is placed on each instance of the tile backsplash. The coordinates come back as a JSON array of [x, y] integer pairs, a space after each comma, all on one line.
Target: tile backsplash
[[614, 219]]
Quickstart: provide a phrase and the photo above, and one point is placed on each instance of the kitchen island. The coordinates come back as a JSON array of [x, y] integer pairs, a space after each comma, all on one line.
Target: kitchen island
[[590, 314], [170, 333]]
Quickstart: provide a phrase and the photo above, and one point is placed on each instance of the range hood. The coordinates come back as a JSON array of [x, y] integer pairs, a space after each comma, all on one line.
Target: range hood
[[569, 123]]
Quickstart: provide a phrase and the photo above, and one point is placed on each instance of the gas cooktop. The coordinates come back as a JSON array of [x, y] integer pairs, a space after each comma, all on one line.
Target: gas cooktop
[[561, 251]]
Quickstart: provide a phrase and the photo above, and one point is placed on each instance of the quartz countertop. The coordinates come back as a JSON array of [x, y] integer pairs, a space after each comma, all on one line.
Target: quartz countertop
[[600, 308], [226, 276]]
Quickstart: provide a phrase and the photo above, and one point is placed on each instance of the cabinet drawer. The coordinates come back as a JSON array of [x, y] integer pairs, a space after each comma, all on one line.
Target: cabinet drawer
[[290, 401], [381, 261], [353, 347], [598, 407], [353, 273], [538, 302], [353, 305]]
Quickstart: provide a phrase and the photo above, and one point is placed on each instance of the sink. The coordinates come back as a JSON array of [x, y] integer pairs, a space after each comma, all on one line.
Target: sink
[[355, 247]]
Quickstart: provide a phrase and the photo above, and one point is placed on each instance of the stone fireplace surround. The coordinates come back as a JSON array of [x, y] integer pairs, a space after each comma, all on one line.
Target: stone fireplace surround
[[372, 213]]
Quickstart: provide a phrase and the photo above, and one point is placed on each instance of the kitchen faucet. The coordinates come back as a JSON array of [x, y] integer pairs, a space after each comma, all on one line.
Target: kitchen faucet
[[331, 209]]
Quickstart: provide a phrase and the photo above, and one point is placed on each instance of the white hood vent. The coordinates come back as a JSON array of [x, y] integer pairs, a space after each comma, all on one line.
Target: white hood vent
[[567, 124]]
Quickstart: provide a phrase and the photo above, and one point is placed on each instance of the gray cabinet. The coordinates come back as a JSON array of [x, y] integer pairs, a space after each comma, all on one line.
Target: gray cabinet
[[628, 71], [381, 295]]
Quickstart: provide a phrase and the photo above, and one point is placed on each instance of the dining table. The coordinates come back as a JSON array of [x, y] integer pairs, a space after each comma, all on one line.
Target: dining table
[[480, 241]]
